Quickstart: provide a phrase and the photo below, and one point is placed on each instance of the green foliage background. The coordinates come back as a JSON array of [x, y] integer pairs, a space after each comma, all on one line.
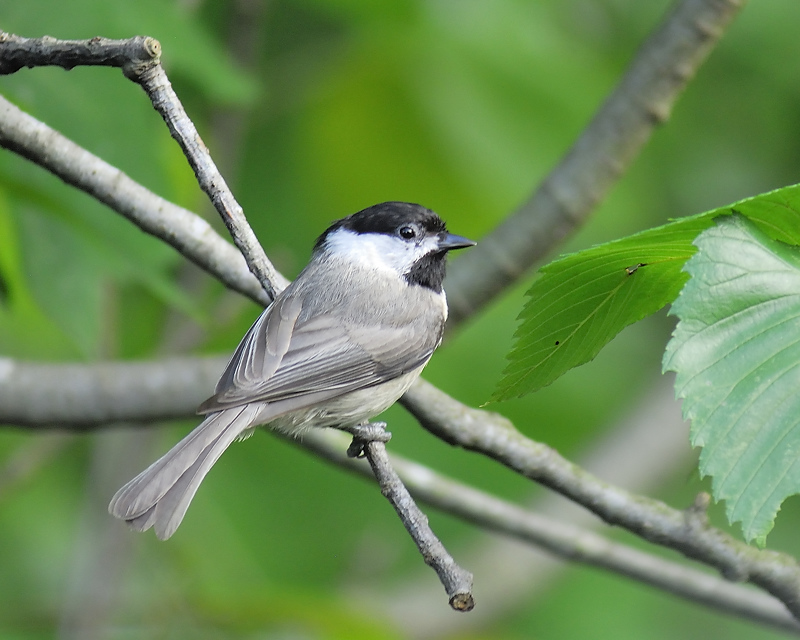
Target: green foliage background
[[460, 105]]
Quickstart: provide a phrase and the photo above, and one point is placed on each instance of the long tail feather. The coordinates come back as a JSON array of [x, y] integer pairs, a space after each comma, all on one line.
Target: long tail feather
[[160, 495]]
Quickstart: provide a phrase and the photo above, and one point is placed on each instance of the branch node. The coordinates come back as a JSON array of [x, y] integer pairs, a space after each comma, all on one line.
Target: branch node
[[697, 513], [145, 53]]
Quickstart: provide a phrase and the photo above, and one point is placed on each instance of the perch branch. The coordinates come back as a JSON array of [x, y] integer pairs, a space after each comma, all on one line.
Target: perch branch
[[151, 76], [370, 441], [17, 53]]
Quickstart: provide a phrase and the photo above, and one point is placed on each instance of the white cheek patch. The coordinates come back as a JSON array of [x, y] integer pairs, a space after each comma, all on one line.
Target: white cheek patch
[[429, 245], [378, 250]]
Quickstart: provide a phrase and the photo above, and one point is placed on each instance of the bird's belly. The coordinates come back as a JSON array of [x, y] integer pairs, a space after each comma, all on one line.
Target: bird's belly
[[347, 410]]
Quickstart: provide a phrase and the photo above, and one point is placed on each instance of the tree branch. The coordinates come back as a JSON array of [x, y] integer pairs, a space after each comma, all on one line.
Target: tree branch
[[85, 397], [140, 60], [642, 100], [17, 53], [182, 229], [565, 541], [153, 79], [688, 532], [151, 76]]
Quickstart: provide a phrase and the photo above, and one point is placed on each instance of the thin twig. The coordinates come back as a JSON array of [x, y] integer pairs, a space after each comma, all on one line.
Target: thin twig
[[154, 81], [140, 60], [642, 100], [370, 439], [17, 52], [184, 230]]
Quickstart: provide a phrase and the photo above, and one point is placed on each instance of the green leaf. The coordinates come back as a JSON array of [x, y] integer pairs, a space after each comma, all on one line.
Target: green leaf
[[737, 357], [581, 301]]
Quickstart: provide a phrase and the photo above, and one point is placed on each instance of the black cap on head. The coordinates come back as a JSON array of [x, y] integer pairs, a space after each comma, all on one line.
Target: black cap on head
[[386, 218], [397, 219]]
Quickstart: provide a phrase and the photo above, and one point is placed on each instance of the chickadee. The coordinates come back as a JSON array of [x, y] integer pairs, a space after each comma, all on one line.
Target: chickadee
[[338, 346]]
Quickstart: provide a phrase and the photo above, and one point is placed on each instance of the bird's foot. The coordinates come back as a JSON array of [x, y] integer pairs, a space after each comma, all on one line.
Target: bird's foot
[[365, 433]]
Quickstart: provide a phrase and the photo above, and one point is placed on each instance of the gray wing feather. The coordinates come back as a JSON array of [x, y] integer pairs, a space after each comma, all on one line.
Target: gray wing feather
[[262, 349], [323, 353]]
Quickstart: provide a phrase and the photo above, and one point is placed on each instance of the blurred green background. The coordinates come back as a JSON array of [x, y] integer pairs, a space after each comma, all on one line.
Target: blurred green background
[[314, 109]]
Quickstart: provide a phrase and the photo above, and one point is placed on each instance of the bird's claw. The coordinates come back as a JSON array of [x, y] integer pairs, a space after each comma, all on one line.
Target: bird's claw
[[365, 433]]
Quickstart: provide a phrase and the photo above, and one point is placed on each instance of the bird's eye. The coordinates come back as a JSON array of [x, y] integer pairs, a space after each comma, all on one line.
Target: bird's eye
[[407, 232]]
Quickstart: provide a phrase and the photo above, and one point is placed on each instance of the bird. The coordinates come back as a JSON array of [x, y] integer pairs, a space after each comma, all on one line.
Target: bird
[[337, 347]]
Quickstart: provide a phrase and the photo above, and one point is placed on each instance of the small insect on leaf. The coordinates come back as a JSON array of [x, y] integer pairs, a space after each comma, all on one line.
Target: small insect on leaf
[[631, 270]]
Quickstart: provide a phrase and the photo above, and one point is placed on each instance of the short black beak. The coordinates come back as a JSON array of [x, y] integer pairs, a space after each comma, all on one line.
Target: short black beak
[[449, 241]]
